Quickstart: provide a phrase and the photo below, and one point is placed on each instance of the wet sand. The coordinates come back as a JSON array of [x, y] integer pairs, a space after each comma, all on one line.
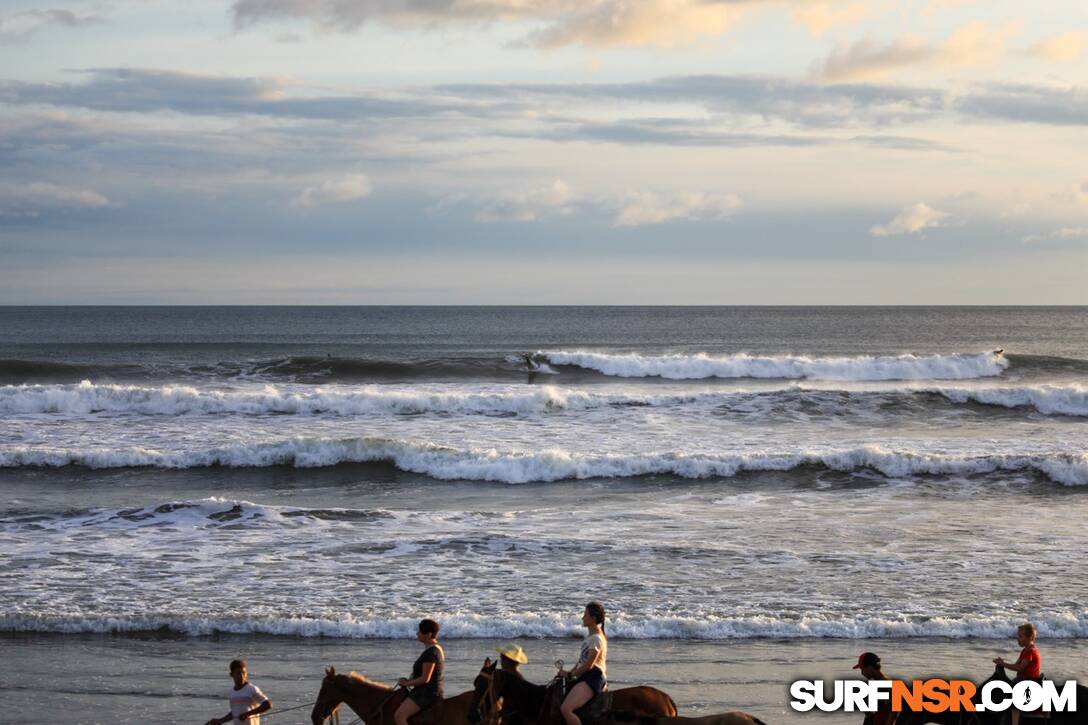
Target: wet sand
[[101, 678]]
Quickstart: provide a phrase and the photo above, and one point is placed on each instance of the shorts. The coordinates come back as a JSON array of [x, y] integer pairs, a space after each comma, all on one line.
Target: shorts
[[424, 697], [595, 679]]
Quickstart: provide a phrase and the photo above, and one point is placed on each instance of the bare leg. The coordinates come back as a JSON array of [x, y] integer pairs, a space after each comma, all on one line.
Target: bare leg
[[578, 696], [405, 711], [1015, 716]]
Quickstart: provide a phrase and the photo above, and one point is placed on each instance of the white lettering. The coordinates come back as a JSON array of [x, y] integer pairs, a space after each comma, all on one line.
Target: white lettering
[[803, 693], [992, 704], [1063, 701]]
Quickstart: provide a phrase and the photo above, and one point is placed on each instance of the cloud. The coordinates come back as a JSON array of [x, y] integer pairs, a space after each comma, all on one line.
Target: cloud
[[527, 205], [1066, 46], [551, 23], [46, 194], [910, 220], [1055, 105], [636, 22], [650, 208], [20, 26], [819, 17], [346, 188], [975, 44], [33, 199], [1065, 233]]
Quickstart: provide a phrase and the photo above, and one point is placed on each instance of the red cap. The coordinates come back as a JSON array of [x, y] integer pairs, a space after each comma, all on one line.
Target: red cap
[[867, 659]]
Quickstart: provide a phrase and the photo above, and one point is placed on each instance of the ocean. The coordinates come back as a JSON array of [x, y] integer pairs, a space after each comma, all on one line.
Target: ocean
[[724, 480]]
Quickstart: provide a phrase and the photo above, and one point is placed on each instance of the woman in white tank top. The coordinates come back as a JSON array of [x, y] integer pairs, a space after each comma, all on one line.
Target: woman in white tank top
[[591, 672]]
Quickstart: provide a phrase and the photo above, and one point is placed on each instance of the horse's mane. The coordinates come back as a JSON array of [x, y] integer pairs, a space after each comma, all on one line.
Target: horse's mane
[[371, 683]]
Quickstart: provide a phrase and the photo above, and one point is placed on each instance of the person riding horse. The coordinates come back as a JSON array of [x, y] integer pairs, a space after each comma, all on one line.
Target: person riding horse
[[591, 672], [427, 675]]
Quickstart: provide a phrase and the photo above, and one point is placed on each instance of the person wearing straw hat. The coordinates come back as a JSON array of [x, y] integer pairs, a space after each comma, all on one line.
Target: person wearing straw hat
[[511, 657]]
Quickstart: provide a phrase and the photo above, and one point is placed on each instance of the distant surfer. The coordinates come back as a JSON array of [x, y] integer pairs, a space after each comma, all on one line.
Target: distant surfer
[[999, 352], [532, 367]]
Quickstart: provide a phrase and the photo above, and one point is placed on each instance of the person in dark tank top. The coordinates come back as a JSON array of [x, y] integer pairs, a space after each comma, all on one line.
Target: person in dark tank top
[[425, 684]]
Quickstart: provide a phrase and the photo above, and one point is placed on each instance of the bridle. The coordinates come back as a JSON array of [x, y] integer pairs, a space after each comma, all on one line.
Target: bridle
[[493, 715]]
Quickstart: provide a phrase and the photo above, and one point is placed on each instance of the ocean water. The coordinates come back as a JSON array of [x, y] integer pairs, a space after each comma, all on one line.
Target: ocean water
[[709, 474]]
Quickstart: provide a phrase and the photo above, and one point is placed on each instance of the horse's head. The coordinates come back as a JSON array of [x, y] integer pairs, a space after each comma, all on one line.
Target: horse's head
[[328, 698], [484, 692]]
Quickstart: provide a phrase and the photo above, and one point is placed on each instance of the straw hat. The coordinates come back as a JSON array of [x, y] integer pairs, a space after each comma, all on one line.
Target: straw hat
[[513, 652]]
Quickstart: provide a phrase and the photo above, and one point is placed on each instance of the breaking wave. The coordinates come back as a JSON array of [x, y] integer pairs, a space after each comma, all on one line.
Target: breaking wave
[[1071, 624], [86, 397], [702, 365], [480, 464], [1047, 399]]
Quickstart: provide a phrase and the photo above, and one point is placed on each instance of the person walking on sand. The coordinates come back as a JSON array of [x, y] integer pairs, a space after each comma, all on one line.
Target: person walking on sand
[[511, 658], [869, 664], [425, 684], [247, 702], [591, 672], [1029, 665]]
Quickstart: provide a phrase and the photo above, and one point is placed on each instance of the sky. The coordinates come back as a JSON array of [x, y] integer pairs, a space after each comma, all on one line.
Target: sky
[[549, 152]]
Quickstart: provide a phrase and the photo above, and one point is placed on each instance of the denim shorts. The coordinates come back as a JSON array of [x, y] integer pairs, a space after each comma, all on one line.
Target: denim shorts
[[594, 678]]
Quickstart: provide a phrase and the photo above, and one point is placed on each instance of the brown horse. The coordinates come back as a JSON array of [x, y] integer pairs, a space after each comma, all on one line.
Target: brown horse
[[375, 703], [537, 704], [726, 718]]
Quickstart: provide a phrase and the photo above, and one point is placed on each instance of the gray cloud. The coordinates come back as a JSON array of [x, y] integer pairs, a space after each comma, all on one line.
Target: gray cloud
[[1028, 103], [144, 91], [20, 26], [759, 97]]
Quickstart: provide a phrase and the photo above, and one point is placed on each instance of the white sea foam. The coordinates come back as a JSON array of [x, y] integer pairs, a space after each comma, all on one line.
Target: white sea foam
[[741, 365], [1071, 624], [87, 397], [1048, 399], [489, 464]]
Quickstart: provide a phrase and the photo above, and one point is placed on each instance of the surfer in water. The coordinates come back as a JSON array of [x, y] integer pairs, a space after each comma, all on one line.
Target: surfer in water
[[531, 367]]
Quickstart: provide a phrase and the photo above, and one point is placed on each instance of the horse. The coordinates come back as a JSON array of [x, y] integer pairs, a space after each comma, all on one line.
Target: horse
[[538, 705], [375, 703], [962, 717], [616, 717]]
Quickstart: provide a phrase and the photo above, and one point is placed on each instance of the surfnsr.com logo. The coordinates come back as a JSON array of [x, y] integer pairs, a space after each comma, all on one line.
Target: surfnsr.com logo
[[933, 695]]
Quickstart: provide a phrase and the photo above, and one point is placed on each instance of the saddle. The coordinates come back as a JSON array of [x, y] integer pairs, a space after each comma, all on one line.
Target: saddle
[[589, 713]]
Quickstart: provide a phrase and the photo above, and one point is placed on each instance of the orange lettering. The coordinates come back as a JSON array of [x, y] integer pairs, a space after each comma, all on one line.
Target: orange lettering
[[936, 694], [906, 698], [962, 692]]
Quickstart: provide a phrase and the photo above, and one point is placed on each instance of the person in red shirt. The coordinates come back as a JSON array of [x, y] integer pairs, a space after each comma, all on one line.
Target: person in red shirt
[[869, 664], [1029, 665]]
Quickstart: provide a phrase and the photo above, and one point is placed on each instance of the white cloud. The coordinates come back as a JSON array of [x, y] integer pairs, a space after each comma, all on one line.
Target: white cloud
[[346, 188], [911, 220], [527, 205], [40, 194], [819, 17], [649, 208], [977, 43], [1066, 46]]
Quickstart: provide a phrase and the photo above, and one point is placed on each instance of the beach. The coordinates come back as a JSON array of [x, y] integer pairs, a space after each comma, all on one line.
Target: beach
[[755, 494], [172, 679]]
